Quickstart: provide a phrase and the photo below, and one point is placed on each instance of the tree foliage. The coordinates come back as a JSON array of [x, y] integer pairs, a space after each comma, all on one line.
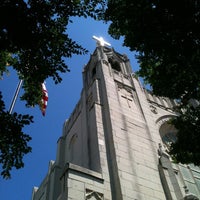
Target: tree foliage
[[35, 42], [187, 147], [34, 39], [13, 142], [165, 34]]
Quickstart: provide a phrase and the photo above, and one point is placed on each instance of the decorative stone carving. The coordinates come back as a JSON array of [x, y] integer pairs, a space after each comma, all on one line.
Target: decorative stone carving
[[105, 62], [129, 90], [153, 109], [119, 86], [126, 76], [162, 152], [188, 195], [126, 88], [93, 195]]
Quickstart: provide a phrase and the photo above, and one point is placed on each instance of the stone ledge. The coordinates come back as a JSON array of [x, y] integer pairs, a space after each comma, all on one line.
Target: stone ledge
[[69, 167]]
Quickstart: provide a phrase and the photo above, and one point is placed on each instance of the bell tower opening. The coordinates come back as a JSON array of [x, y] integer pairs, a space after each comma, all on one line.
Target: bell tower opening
[[114, 64]]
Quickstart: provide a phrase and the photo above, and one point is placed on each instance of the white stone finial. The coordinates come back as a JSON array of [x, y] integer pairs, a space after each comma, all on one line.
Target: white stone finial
[[101, 41]]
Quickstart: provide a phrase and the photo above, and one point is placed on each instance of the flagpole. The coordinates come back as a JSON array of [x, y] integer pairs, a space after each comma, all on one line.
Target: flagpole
[[15, 96]]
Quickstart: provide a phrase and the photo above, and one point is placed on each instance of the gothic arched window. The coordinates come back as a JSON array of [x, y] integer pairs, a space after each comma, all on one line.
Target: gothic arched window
[[168, 134], [114, 64], [72, 143]]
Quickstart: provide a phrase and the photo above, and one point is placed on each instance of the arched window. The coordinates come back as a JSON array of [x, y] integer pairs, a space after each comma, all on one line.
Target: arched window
[[72, 147], [114, 64], [93, 71], [168, 134]]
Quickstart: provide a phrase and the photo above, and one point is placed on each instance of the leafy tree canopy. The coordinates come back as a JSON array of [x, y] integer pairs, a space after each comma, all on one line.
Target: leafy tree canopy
[[34, 41], [187, 147], [13, 142], [165, 34]]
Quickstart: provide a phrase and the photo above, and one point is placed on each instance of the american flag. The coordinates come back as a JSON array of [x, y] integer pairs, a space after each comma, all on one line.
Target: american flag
[[44, 100]]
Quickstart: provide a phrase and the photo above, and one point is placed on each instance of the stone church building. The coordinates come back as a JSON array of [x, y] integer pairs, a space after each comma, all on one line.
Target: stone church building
[[114, 145]]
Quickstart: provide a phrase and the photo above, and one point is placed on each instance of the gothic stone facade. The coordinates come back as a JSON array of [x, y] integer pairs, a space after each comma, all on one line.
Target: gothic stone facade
[[113, 144]]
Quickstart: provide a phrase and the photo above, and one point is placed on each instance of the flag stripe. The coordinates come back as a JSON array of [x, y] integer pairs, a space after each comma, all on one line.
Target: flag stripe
[[44, 99]]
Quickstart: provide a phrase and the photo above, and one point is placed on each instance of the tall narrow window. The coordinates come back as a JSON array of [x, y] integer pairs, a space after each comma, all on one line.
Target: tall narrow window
[[93, 71], [168, 134], [115, 64], [72, 148]]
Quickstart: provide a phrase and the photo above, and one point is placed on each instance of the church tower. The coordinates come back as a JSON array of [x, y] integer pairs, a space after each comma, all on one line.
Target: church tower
[[113, 146]]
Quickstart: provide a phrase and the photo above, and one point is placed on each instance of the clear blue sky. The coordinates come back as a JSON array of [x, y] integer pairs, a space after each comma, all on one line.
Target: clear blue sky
[[63, 97]]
